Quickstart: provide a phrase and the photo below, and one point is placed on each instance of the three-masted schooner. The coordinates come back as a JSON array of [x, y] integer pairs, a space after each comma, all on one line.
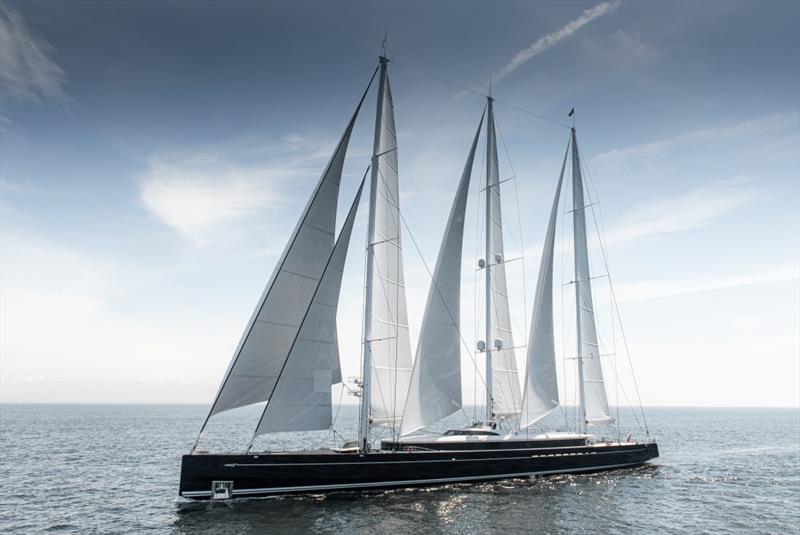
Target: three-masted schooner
[[288, 357]]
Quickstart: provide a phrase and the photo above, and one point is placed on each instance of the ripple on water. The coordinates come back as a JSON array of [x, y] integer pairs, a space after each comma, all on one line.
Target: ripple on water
[[101, 469]]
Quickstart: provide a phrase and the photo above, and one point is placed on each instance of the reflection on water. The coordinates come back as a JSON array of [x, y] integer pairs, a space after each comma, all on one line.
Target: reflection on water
[[548, 504]]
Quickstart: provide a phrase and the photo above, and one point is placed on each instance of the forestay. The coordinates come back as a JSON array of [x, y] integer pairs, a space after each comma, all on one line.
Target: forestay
[[505, 381], [302, 397], [386, 318], [265, 344], [435, 390], [540, 395], [591, 376]]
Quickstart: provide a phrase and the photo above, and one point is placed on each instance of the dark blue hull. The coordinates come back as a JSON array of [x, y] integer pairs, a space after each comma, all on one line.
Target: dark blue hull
[[313, 472]]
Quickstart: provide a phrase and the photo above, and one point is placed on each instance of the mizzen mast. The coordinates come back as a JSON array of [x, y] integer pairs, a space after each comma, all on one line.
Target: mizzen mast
[[591, 386]]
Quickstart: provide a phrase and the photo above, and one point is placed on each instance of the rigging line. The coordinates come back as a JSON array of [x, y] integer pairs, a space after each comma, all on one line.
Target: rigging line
[[480, 94], [627, 399], [562, 271], [616, 304], [439, 291], [336, 414]]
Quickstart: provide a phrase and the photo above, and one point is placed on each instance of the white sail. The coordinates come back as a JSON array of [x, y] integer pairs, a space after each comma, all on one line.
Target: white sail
[[595, 403], [265, 344], [435, 390], [507, 400], [302, 397], [386, 319], [540, 395]]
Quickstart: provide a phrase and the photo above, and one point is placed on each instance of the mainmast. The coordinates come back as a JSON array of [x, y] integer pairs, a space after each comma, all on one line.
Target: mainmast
[[503, 397], [488, 256]]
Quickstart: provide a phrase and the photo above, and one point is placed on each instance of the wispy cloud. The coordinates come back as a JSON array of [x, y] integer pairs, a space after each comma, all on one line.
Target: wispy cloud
[[553, 38], [26, 68], [695, 209], [748, 128], [196, 196], [631, 47], [640, 291]]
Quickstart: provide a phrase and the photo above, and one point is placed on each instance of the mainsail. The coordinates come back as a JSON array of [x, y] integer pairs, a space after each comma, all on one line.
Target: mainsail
[[253, 371], [541, 382], [590, 370], [302, 397], [386, 338], [435, 390], [505, 392]]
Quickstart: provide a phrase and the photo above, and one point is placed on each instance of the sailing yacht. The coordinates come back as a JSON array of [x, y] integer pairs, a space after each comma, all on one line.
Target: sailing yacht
[[288, 357]]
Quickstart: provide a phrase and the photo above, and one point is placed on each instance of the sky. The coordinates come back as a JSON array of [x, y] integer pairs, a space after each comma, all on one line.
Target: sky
[[155, 156]]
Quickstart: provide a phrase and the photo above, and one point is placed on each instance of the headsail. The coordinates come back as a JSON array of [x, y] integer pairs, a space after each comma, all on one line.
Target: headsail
[[507, 400], [302, 397], [541, 382], [435, 390], [593, 388], [265, 344], [386, 339]]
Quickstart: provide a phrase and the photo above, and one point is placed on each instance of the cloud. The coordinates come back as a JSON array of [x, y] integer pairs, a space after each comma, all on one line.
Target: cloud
[[195, 196], [695, 209], [77, 326], [551, 39], [748, 128], [26, 68], [640, 291]]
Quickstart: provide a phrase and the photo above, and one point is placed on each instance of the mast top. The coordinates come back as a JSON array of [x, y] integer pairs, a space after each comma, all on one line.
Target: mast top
[[384, 48]]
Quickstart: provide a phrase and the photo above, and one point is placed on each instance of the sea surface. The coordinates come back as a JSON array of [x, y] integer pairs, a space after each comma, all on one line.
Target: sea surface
[[114, 469]]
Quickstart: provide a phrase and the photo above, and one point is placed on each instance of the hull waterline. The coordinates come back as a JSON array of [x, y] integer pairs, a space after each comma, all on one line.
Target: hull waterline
[[268, 474]]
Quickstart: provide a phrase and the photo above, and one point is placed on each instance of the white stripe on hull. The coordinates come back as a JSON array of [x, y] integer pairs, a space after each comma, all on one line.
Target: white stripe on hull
[[471, 460], [383, 484]]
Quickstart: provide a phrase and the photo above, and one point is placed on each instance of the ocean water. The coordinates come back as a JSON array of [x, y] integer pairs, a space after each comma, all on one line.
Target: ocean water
[[114, 469]]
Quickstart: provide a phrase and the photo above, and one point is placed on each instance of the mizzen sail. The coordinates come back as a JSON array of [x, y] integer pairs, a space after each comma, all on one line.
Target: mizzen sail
[[435, 390], [590, 370]]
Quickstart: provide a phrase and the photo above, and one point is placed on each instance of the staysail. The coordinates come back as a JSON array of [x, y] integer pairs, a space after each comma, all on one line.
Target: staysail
[[505, 391], [590, 370], [386, 338], [435, 390], [264, 346], [541, 382], [302, 397]]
